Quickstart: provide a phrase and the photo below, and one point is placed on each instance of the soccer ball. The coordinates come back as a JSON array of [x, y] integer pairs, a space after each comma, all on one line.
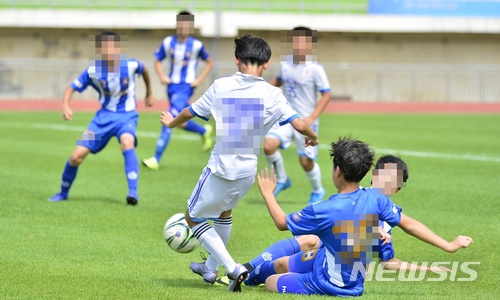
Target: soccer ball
[[178, 235]]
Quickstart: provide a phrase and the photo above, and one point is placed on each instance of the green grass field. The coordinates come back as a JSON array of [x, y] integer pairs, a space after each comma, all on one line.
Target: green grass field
[[96, 247], [284, 6]]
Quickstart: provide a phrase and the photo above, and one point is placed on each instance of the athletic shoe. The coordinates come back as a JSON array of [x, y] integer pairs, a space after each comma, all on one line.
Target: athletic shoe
[[317, 197], [131, 200], [282, 186], [58, 197], [236, 278], [207, 140], [224, 280], [151, 163], [200, 269]]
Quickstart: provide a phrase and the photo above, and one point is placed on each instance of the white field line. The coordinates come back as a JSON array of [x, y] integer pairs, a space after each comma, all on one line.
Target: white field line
[[192, 137]]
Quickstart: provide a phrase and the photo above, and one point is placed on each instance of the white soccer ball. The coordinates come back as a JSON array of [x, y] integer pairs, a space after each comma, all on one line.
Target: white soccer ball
[[178, 235]]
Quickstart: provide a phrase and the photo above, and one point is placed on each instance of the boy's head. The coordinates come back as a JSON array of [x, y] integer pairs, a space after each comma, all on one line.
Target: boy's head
[[352, 159], [300, 41], [390, 174], [185, 24], [108, 46], [252, 50]]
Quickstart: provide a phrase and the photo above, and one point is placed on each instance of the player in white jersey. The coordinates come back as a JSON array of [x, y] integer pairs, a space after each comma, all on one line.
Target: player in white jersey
[[245, 107], [112, 75], [183, 52], [301, 79]]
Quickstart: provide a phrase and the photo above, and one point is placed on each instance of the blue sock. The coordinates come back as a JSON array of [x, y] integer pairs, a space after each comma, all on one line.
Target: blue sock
[[279, 249], [131, 171], [261, 273], [194, 127], [162, 142], [68, 177]]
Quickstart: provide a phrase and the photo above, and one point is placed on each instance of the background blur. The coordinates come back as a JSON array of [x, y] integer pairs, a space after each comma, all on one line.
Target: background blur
[[372, 50]]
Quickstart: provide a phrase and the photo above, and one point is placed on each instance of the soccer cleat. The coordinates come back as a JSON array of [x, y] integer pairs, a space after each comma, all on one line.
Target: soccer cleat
[[151, 163], [282, 186], [236, 278], [200, 269], [316, 197], [58, 197], [131, 200], [224, 280], [207, 140]]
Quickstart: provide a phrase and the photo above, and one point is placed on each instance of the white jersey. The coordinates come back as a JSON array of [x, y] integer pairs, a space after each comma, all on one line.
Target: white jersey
[[245, 107], [301, 83]]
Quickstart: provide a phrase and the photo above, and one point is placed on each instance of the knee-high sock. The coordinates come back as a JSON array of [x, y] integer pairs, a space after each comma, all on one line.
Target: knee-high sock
[[131, 171], [162, 142], [279, 249], [262, 271], [223, 228], [214, 245], [194, 127], [276, 160], [68, 176], [314, 177]]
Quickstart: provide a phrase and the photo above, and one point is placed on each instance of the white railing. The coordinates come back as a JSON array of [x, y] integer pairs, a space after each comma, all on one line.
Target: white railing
[[47, 79]]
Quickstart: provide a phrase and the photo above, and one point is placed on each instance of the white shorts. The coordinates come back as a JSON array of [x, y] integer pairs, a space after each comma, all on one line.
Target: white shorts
[[287, 133], [213, 195]]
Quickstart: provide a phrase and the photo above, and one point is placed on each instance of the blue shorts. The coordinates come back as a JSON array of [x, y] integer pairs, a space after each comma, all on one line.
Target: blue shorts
[[386, 251], [179, 94], [105, 125]]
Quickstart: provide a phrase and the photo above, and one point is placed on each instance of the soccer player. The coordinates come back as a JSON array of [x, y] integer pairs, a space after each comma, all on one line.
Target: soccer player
[[302, 78], [183, 52], [245, 107], [112, 75], [341, 222], [389, 176]]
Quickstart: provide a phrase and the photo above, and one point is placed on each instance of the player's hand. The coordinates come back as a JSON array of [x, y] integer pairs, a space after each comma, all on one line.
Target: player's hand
[[311, 142], [149, 100], [195, 83], [165, 80], [67, 113], [384, 236], [166, 118], [267, 182], [460, 242]]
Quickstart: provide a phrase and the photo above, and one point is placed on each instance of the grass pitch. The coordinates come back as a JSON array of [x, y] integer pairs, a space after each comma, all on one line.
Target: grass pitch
[[96, 247]]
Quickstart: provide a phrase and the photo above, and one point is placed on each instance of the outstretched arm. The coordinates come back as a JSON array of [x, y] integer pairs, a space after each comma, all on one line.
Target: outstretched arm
[[397, 264], [423, 233], [67, 112], [305, 129], [168, 120], [267, 185]]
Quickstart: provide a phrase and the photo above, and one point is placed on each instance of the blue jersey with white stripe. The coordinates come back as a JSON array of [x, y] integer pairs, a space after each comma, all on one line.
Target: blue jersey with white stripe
[[116, 88], [347, 224], [183, 57]]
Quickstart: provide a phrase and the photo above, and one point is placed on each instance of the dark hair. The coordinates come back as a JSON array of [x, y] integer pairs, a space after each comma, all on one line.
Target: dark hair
[[305, 31], [185, 16], [104, 37], [391, 159], [252, 49], [353, 157]]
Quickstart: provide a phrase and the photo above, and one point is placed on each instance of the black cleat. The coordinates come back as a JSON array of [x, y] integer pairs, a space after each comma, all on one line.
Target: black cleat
[[132, 200]]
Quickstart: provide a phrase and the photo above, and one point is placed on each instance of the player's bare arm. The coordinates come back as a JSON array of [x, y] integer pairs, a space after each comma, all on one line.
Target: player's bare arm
[[267, 185], [311, 138], [423, 233], [149, 100], [209, 63], [320, 107], [168, 120], [67, 112], [164, 79], [399, 265]]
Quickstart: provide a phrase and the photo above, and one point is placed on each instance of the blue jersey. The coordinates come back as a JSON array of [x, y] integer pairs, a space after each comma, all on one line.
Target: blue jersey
[[347, 225], [116, 88], [183, 57]]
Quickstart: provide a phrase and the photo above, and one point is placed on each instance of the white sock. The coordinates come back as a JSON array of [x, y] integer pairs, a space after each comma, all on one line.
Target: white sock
[[223, 228], [214, 245], [276, 160], [314, 177]]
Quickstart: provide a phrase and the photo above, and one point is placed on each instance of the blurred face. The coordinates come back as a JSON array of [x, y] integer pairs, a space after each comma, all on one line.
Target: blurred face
[[109, 50], [302, 45], [184, 27], [388, 180]]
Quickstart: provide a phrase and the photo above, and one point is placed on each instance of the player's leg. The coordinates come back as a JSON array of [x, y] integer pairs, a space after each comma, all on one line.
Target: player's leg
[[70, 171], [286, 283], [127, 145], [211, 195], [278, 137]]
